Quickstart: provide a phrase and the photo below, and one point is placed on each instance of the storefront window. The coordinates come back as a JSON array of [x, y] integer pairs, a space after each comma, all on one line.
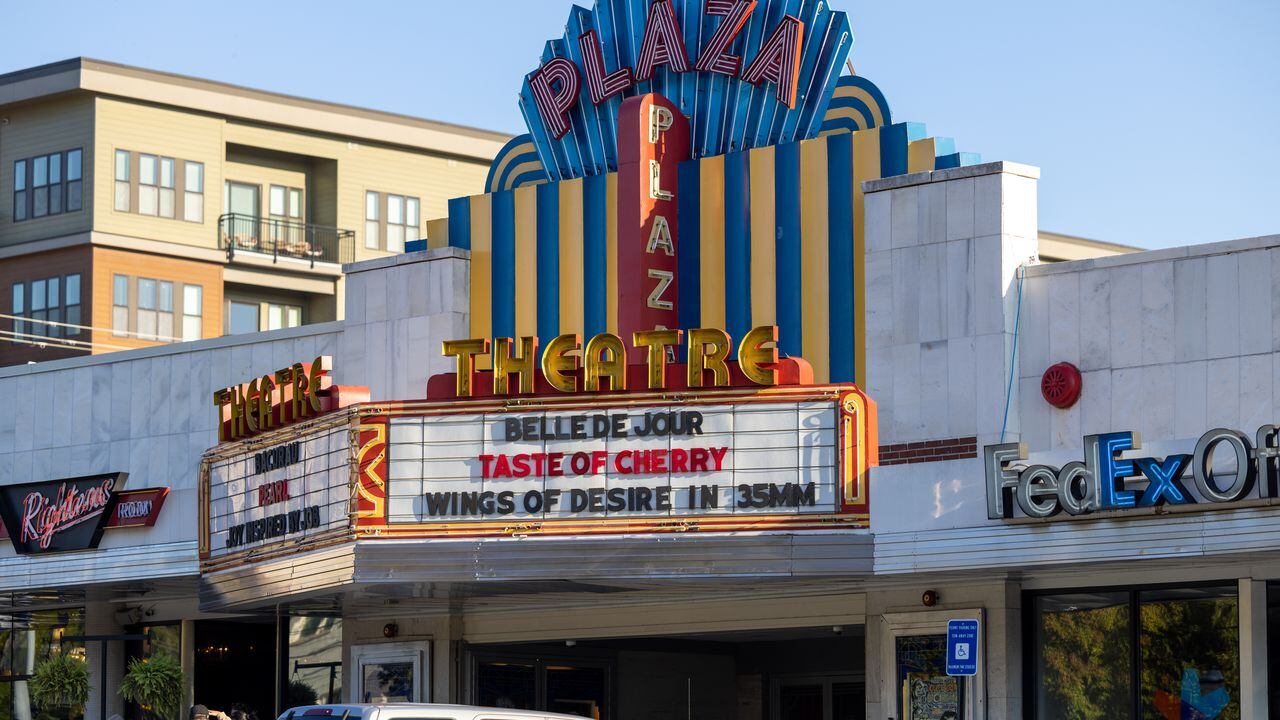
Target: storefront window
[[1085, 656], [158, 640], [1273, 643], [315, 661], [1186, 664], [925, 691], [507, 685], [26, 639]]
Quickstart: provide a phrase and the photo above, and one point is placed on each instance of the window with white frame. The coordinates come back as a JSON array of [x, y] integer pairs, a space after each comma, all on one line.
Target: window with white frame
[[283, 316], [391, 221], [192, 312], [122, 191], [119, 305], [193, 192], [151, 184]]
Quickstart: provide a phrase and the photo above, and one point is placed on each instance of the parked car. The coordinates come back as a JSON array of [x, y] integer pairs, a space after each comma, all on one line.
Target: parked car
[[415, 711]]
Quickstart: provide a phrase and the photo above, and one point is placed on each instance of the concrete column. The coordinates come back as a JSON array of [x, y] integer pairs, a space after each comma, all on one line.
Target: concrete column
[[1253, 649], [100, 619]]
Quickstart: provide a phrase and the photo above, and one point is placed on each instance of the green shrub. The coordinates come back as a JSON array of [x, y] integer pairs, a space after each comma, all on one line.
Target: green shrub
[[155, 684]]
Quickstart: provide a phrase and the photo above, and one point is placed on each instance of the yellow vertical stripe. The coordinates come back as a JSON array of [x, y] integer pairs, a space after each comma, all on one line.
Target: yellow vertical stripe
[[438, 233], [572, 296], [920, 155], [764, 234], [482, 269], [866, 166], [611, 253], [814, 261], [526, 261], [711, 241]]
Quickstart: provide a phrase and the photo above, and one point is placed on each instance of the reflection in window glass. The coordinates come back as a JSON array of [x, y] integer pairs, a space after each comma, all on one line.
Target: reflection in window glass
[[242, 318], [1083, 666], [315, 660], [506, 685], [27, 639], [122, 181], [389, 682], [1190, 641], [192, 312]]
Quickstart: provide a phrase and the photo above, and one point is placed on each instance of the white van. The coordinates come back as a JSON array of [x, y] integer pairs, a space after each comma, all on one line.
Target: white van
[[415, 711]]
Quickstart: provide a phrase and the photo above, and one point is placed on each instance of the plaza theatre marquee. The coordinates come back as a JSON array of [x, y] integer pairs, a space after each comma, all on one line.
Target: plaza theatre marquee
[[570, 440]]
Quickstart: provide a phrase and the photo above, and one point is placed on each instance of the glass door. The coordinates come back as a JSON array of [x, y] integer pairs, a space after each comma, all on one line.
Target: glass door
[[242, 201], [818, 697]]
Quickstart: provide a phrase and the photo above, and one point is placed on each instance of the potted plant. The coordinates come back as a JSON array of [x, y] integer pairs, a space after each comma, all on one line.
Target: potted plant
[[61, 681], [154, 684]]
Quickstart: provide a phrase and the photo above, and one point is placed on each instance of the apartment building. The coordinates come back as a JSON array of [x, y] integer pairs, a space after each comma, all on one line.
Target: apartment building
[[140, 207]]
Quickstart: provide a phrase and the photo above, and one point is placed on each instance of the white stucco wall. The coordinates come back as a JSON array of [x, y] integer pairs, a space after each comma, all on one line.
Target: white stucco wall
[[150, 412]]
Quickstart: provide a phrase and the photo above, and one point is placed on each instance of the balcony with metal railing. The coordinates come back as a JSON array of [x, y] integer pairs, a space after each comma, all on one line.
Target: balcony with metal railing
[[274, 238]]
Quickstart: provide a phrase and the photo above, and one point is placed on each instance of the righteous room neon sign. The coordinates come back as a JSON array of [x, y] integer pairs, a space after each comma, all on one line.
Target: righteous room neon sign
[[1106, 480]]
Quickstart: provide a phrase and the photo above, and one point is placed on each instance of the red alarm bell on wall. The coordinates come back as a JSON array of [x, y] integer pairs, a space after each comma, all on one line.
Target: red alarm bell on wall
[[1061, 385]]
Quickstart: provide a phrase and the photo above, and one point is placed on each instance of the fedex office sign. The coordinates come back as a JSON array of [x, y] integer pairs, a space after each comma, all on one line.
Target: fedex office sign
[[1225, 466]]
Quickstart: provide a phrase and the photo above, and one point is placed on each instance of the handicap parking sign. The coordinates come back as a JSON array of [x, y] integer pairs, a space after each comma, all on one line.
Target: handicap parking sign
[[962, 647]]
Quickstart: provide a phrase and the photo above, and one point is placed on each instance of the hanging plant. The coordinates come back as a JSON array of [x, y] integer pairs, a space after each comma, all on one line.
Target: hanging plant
[[155, 684], [61, 681]]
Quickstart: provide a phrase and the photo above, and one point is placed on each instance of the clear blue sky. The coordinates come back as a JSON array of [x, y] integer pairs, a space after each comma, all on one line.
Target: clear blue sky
[[1155, 122]]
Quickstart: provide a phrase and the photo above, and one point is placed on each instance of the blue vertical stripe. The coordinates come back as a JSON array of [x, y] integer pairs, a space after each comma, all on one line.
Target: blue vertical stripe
[[460, 223], [737, 245], [689, 245], [840, 252], [548, 262], [504, 264], [595, 254], [893, 147], [787, 262]]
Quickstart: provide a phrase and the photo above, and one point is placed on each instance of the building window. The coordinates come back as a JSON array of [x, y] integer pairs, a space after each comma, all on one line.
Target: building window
[[147, 318], [148, 192], [372, 229], [165, 311], [1093, 647], [192, 312], [167, 195], [155, 190], [20, 190], [241, 317], [119, 305], [75, 180], [47, 185], [50, 304], [283, 316], [193, 193], [122, 181], [71, 313], [19, 308], [390, 221]]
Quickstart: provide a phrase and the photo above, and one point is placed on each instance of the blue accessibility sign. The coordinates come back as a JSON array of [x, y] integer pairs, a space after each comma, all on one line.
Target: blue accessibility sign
[[962, 647]]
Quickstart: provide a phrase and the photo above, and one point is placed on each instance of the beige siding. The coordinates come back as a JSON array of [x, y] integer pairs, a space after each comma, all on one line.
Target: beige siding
[[264, 177], [52, 126], [136, 127], [361, 167]]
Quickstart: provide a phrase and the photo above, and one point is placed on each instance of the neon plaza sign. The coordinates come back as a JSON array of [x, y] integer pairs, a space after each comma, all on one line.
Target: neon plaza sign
[[557, 84], [1107, 481]]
